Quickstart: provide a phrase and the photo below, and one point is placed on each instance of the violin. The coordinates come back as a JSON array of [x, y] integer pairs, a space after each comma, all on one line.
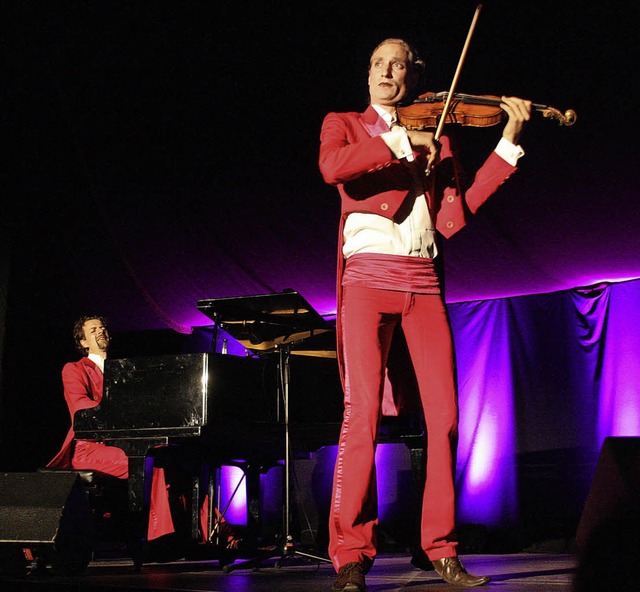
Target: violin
[[431, 109], [472, 110]]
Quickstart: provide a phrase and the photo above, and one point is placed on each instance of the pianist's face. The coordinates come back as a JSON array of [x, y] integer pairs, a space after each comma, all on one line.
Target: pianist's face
[[96, 337]]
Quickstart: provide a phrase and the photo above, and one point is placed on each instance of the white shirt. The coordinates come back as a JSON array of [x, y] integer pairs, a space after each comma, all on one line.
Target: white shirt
[[414, 236], [97, 360]]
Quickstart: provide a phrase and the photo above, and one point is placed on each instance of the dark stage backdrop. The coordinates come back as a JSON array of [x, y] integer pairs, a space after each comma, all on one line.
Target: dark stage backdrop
[[161, 153]]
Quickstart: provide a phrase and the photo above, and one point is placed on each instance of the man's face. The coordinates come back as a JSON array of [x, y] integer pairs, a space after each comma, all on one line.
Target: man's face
[[389, 77], [96, 337]]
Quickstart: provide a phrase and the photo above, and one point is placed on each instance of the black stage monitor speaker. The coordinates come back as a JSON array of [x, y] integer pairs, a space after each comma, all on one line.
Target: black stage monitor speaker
[[614, 497], [45, 521]]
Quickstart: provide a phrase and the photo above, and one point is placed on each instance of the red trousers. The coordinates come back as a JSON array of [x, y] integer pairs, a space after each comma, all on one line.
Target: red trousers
[[96, 456], [369, 317]]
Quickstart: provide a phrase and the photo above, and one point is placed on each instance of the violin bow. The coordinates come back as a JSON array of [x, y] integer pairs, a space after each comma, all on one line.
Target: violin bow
[[454, 82]]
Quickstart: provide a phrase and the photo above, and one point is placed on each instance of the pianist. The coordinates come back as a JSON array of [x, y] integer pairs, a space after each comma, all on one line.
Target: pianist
[[82, 383]]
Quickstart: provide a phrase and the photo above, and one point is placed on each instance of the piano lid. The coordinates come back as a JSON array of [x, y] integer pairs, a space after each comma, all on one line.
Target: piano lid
[[265, 322]]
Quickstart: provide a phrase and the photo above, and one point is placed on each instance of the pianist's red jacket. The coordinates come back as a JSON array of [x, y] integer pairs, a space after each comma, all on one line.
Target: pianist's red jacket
[[79, 378]]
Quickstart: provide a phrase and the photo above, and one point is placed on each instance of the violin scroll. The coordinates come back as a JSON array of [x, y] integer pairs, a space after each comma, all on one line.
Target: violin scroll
[[569, 117]]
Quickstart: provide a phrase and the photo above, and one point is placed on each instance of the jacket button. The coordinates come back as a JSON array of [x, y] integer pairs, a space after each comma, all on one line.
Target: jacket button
[[450, 224], [384, 207], [451, 198]]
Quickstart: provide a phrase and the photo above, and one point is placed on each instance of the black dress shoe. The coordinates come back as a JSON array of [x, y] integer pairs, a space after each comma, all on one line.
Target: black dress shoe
[[451, 570], [350, 578]]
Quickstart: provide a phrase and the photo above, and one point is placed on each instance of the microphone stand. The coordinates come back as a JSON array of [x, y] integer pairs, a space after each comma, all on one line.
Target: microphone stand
[[289, 547]]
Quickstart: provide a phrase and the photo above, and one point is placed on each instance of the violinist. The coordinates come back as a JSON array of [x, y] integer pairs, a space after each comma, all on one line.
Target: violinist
[[390, 302]]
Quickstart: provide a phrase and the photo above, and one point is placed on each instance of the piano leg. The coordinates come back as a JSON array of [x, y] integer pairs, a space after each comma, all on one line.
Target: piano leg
[[138, 516], [252, 472]]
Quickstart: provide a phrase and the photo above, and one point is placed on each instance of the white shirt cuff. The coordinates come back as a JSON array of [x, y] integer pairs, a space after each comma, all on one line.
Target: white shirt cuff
[[398, 142], [508, 151]]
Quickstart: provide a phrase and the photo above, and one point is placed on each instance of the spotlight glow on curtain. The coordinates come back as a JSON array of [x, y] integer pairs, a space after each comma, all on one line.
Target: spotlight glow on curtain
[[619, 407], [485, 479], [233, 494], [538, 373]]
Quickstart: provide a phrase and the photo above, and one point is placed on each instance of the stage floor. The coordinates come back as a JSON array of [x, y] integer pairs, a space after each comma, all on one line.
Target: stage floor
[[519, 572]]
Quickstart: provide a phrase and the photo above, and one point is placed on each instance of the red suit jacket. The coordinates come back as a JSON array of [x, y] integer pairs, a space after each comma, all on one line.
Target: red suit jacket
[[79, 378], [369, 179]]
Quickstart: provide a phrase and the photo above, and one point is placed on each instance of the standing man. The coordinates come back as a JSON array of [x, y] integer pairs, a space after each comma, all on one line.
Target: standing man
[[390, 290]]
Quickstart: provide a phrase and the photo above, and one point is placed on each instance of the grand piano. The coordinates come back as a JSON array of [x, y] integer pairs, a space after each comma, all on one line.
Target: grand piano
[[215, 407]]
